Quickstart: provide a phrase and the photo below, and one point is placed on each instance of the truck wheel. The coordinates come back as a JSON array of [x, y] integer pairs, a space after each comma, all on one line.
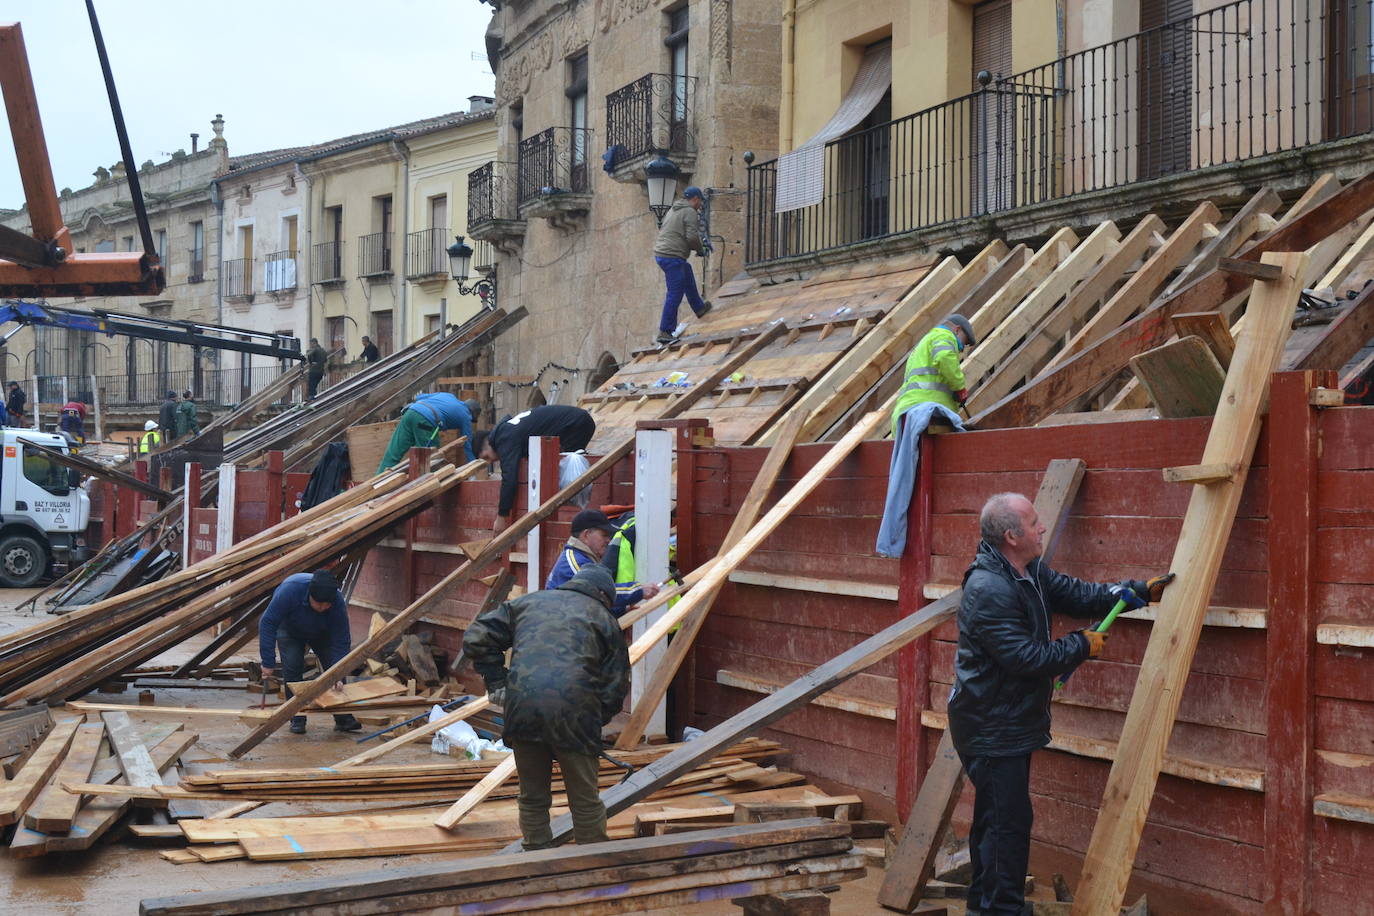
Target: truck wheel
[[22, 561]]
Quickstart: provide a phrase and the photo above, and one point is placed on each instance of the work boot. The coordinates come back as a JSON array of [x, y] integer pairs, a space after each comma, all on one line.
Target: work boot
[[664, 340], [347, 723], [705, 308], [298, 725]]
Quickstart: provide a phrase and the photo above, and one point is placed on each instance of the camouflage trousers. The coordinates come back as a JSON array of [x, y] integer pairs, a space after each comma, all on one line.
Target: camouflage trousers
[[534, 762]]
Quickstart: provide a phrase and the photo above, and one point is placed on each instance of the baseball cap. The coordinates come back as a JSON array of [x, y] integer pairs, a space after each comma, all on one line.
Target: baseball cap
[[591, 518]]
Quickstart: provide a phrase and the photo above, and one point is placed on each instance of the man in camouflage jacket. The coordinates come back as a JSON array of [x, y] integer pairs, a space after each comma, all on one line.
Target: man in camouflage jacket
[[569, 673]]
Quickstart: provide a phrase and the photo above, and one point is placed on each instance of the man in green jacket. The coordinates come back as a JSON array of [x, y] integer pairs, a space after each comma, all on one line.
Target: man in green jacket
[[188, 424], [932, 369], [569, 673], [678, 237]]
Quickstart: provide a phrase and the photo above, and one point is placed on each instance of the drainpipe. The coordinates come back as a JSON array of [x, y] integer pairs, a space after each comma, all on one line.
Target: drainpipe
[[306, 254], [400, 331], [789, 64], [219, 241]]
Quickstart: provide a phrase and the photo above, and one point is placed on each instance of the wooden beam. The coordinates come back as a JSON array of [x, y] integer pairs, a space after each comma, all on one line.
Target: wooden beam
[[497, 546], [1249, 269], [134, 759], [856, 705], [1216, 472], [54, 810], [16, 794], [1041, 265], [489, 783], [1183, 377], [1197, 560], [1343, 338], [1248, 221], [913, 864], [1211, 327], [874, 590]]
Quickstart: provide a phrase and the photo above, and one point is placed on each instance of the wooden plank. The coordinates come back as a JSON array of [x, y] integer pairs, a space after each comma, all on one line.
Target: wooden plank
[[54, 810], [1041, 265], [355, 691], [1212, 328], [477, 794], [998, 339], [497, 546], [446, 876], [1197, 560], [691, 612], [1183, 378], [17, 793], [1026, 358], [855, 705], [134, 759], [1249, 269], [1249, 220], [1137, 292], [1343, 338], [913, 864], [1213, 472], [875, 590]]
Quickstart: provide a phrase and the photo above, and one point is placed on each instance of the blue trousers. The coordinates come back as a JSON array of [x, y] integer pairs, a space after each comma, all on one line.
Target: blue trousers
[[999, 838], [681, 281]]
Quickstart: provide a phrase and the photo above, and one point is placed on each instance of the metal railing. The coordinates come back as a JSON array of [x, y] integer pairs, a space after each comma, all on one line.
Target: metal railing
[[279, 271], [554, 161], [653, 113], [427, 253], [491, 194], [195, 265], [118, 392], [328, 264], [1245, 79], [374, 254], [238, 277]]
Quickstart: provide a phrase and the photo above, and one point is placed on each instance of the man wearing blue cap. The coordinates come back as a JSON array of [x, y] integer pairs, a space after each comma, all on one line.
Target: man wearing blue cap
[[679, 236]]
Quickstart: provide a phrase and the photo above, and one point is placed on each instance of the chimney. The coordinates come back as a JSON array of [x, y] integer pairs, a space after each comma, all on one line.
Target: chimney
[[479, 102], [195, 143]]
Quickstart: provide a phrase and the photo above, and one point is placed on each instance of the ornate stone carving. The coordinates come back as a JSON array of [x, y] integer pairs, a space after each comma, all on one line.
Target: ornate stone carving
[[610, 13], [722, 33]]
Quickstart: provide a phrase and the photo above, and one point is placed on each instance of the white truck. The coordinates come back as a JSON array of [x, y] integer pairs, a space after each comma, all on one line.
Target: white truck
[[43, 510]]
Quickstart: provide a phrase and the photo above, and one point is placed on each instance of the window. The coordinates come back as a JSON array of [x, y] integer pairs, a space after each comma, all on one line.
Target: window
[[336, 333], [48, 474], [105, 245], [196, 269], [288, 234], [333, 224], [246, 242], [381, 332], [128, 243], [677, 61], [161, 239], [432, 324], [577, 110], [438, 212]]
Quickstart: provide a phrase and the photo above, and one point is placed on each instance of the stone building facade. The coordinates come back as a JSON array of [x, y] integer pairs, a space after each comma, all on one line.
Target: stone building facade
[[588, 93]]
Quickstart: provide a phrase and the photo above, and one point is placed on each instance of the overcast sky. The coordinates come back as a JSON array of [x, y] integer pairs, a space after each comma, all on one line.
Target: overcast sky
[[282, 72]]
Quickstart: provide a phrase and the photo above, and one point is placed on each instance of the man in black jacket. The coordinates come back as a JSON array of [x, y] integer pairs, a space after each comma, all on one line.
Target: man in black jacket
[[167, 418], [509, 442], [1004, 671], [569, 673]]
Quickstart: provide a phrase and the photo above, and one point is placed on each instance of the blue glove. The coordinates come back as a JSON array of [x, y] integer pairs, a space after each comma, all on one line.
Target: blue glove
[[1123, 592]]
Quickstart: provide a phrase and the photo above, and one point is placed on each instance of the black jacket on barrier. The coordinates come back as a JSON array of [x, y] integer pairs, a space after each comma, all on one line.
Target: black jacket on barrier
[[1006, 663]]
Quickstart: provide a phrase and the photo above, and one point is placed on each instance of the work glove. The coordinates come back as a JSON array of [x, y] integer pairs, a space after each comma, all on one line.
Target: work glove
[[1133, 599], [497, 696], [961, 395], [1095, 641], [1156, 586]]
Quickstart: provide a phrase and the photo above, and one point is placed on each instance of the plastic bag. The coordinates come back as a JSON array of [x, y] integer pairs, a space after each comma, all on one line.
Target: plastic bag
[[460, 735], [570, 467]]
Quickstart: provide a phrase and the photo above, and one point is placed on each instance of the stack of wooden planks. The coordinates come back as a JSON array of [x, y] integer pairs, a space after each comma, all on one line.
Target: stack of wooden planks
[[622, 876]]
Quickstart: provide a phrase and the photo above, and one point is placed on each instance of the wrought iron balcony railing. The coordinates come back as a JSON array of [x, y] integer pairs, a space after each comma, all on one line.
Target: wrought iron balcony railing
[[1246, 79], [427, 253], [238, 277], [655, 112], [279, 271], [491, 194], [328, 264], [374, 255], [554, 161], [195, 265]]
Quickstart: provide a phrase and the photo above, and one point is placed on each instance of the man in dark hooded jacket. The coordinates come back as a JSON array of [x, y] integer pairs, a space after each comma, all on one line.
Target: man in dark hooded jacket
[[569, 673], [1004, 671]]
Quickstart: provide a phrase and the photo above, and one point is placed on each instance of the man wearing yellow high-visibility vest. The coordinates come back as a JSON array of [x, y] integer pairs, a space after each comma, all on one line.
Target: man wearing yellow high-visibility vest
[[932, 369]]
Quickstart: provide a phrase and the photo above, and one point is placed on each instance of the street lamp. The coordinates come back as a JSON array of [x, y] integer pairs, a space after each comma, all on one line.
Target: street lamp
[[460, 264], [660, 177]]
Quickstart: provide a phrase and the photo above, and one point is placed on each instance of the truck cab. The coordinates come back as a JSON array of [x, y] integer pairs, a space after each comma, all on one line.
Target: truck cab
[[43, 509]]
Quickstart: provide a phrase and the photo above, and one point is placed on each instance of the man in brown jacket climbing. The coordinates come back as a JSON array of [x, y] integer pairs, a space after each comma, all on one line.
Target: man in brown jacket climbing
[[678, 237]]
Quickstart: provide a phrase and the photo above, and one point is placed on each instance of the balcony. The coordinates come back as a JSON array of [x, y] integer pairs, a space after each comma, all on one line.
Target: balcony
[[655, 113], [328, 263], [555, 176], [427, 254], [279, 272], [492, 215], [195, 265], [1253, 91], [238, 279], [374, 256]]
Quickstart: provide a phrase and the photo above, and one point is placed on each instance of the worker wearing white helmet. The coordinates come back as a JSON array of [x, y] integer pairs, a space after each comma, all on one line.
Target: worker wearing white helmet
[[151, 438]]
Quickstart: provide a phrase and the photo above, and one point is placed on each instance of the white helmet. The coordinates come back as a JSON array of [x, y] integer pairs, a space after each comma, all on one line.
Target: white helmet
[[150, 425]]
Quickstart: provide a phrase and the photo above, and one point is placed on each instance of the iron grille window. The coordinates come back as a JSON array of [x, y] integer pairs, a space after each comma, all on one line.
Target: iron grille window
[[238, 277], [652, 113], [279, 271], [328, 263], [547, 164], [374, 255], [427, 253]]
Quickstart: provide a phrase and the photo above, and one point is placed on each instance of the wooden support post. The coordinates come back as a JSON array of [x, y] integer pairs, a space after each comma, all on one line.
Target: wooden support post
[[224, 524], [96, 411], [37, 417], [190, 492], [913, 864], [417, 465], [653, 504], [687, 449], [913, 661], [276, 473], [543, 483], [1290, 639], [1197, 561]]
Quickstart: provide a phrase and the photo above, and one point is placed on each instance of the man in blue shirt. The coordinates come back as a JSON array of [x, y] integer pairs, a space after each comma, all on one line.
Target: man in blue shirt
[[306, 610], [591, 532], [421, 421]]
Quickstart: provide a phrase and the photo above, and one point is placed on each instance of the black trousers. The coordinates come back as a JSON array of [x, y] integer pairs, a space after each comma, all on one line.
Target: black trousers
[[292, 651], [999, 840]]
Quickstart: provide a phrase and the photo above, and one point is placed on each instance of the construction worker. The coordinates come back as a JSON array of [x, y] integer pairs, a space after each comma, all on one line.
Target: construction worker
[[151, 438], [932, 369], [591, 532], [72, 423], [509, 442], [167, 417], [14, 405], [619, 560], [568, 676], [422, 420], [1004, 669], [306, 611], [188, 422], [315, 359]]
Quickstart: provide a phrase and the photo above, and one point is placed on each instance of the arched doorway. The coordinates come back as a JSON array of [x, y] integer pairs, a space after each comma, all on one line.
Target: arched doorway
[[606, 367]]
